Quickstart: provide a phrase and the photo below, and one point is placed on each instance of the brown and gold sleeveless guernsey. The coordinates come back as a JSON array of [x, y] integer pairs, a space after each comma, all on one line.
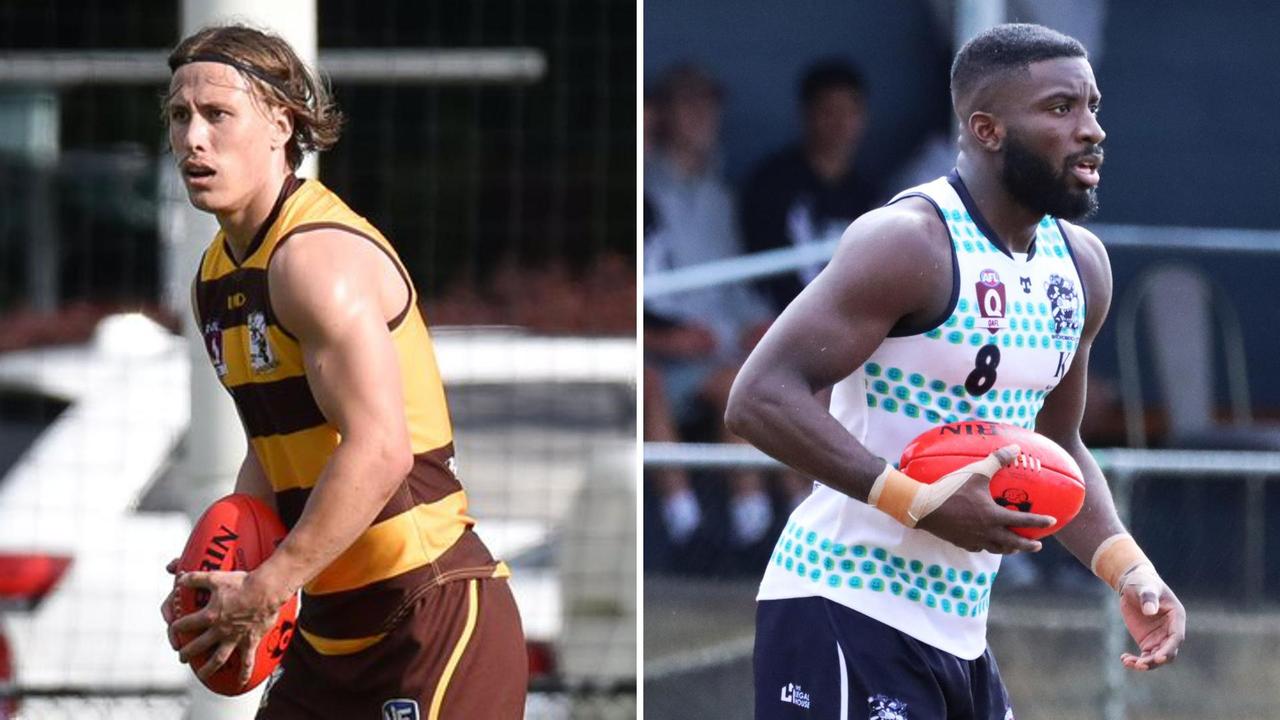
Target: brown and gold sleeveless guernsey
[[422, 537]]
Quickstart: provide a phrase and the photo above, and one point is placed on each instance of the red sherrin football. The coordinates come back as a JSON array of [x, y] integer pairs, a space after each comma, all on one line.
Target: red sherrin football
[[237, 532], [1057, 489]]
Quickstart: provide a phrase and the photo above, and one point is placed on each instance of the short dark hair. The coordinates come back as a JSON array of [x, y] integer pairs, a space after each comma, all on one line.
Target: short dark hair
[[1004, 49], [828, 74]]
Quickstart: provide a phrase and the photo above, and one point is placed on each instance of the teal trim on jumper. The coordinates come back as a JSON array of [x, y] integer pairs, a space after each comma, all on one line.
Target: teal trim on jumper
[[875, 569]]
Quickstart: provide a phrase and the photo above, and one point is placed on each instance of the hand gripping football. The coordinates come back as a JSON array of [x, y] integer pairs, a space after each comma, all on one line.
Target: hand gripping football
[[1056, 488], [237, 532]]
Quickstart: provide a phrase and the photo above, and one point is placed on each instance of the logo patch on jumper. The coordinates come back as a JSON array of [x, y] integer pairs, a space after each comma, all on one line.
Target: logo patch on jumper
[[213, 343], [990, 291], [260, 355], [1064, 304], [792, 694], [400, 709], [883, 707]]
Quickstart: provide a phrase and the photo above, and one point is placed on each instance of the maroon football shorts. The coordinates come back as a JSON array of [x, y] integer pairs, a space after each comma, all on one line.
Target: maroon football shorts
[[457, 653]]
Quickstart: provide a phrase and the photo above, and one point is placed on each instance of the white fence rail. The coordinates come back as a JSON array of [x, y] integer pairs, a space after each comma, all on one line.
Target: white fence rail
[[515, 65], [774, 262]]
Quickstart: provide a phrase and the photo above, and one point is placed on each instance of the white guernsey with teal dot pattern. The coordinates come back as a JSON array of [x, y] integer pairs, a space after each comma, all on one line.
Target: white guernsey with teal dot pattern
[[1010, 336]]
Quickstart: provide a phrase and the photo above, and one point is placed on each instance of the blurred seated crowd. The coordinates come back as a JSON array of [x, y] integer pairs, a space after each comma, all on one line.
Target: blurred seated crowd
[[695, 341]]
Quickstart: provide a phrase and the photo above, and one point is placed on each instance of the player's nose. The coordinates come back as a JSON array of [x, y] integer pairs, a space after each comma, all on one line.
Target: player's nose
[[194, 135], [1091, 130]]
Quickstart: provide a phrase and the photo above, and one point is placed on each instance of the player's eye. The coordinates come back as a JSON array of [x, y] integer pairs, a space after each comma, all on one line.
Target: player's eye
[[178, 114]]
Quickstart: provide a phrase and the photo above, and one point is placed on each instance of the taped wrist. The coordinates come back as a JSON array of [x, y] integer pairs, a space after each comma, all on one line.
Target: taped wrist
[[1118, 560], [893, 494], [909, 501]]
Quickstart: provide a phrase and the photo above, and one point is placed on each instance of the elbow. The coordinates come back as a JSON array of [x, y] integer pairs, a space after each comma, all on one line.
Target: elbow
[[757, 407], [399, 460], [741, 411], [392, 462], [394, 466]]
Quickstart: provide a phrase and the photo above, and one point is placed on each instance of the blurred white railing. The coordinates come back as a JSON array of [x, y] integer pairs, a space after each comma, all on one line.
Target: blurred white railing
[[773, 262], [514, 65]]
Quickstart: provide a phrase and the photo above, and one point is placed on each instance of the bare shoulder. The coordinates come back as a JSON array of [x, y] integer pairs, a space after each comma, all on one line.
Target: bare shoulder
[[1085, 242], [911, 225], [1095, 269], [893, 263], [906, 235], [1090, 253], [321, 249], [320, 276]]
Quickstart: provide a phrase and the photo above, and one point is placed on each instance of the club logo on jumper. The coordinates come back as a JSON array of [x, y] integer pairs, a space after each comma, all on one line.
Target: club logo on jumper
[[991, 300], [1015, 498], [1008, 713], [1026, 284], [791, 693], [1064, 303], [213, 343], [260, 355], [400, 709], [883, 707], [452, 465]]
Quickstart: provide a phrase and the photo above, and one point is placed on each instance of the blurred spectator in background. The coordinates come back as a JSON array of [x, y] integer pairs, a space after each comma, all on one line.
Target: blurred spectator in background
[[694, 341], [809, 191]]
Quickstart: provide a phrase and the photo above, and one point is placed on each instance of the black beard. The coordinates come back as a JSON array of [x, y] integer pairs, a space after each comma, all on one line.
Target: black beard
[[1033, 182]]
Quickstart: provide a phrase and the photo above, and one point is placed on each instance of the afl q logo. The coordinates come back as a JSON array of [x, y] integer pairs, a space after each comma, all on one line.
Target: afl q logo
[[990, 291]]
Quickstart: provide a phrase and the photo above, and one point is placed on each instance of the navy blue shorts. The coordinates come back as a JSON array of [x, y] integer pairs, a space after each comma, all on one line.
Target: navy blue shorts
[[815, 658]]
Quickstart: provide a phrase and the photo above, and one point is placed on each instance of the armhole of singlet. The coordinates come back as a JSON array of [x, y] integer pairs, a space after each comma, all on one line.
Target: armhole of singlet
[[393, 323], [901, 329], [197, 305], [1084, 287]]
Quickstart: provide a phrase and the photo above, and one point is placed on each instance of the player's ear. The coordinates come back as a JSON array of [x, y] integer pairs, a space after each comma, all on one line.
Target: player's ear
[[281, 126], [987, 130]]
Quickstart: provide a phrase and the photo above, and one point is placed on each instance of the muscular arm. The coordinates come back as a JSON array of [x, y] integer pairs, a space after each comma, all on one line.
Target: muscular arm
[[892, 263], [333, 291], [1059, 419]]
